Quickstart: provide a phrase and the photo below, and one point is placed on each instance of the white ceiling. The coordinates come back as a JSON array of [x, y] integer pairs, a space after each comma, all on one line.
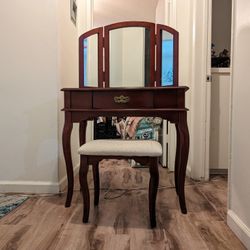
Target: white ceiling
[[110, 11]]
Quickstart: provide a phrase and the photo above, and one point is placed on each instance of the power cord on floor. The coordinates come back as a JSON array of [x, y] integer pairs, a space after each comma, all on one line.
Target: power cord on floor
[[125, 191]]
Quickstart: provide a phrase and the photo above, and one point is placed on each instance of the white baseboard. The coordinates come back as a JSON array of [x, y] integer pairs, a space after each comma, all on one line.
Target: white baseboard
[[31, 187], [35, 187], [239, 228], [188, 171]]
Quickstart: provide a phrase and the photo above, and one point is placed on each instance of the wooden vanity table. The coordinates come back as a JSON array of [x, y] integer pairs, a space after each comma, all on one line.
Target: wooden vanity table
[[153, 100]]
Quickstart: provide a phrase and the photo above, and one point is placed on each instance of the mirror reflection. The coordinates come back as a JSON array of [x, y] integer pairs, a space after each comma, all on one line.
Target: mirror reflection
[[167, 72], [129, 57], [90, 65]]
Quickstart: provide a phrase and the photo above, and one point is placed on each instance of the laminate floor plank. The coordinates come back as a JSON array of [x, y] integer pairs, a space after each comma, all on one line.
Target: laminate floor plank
[[11, 236], [121, 221], [218, 236], [217, 199]]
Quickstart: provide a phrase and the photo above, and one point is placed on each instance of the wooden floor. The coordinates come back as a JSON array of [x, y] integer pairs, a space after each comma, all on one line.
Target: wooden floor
[[122, 223]]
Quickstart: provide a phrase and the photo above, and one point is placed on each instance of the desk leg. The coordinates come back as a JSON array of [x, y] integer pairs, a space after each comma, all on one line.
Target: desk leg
[[177, 159], [68, 159], [82, 135], [82, 132], [184, 150]]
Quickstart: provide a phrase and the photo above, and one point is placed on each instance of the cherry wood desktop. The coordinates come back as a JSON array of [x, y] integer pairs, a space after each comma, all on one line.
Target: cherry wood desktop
[[84, 104]]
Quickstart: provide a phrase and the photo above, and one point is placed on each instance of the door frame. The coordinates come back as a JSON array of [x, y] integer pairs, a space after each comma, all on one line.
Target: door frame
[[201, 89], [208, 91]]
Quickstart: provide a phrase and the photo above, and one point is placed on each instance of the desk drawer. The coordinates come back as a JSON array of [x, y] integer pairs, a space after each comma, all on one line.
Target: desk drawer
[[122, 99]]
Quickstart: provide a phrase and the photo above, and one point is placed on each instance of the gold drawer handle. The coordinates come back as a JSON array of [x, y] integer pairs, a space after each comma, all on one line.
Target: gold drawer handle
[[121, 99]]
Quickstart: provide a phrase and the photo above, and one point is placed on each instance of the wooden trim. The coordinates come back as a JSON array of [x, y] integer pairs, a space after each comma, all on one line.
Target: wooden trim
[[175, 34], [99, 32], [100, 59], [185, 88], [128, 110], [238, 226], [106, 59], [155, 40]]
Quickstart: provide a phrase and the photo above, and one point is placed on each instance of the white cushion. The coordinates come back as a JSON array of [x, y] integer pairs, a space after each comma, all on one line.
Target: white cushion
[[121, 148]]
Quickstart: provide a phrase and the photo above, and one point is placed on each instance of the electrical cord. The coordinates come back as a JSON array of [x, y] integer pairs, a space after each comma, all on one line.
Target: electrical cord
[[125, 191]]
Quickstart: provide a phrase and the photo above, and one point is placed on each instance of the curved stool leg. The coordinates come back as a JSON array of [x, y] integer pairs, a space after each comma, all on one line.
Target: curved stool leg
[[82, 134], [96, 183], [153, 186], [84, 186]]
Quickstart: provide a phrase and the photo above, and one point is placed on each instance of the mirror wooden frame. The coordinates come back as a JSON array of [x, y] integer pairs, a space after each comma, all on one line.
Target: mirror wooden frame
[[103, 34], [99, 33], [160, 29]]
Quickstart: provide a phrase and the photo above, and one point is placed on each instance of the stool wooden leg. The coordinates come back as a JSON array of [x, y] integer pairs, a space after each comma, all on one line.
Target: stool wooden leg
[[96, 183], [84, 186], [153, 186]]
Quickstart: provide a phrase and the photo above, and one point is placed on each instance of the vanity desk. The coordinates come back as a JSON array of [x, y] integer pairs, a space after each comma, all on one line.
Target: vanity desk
[[151, 100]]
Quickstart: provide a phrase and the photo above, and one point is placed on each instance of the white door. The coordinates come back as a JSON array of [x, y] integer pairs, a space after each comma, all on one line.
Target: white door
[[220, 89], [192, 19]]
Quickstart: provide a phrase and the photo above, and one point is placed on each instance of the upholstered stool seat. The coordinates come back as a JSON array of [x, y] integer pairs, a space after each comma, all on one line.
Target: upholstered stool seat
[[122, 148], [143, 151]]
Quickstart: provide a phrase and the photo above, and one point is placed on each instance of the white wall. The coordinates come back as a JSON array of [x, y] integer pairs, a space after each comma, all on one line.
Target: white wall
[[133, 64], [85, 23], [221, 24], [85, 15], [92, 61], [29, 96], [220, 119], [110, 11], [127, 57], [239, 184], [39, 56], [160, 15], [178, 14], [184, 26], [69, 69], [68, 75], [116, 54]]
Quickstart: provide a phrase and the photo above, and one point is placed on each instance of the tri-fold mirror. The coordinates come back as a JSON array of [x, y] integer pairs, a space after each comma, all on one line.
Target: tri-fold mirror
[[129, 54]]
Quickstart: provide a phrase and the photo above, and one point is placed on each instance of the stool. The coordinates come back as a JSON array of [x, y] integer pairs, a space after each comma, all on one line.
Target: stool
[[143, 151]]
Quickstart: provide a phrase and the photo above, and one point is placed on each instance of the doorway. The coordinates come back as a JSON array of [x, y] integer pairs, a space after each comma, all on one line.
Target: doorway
[[220, 108]]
